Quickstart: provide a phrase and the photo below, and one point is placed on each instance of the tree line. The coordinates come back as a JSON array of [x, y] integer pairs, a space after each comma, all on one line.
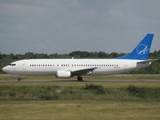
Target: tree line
[[154, 68]]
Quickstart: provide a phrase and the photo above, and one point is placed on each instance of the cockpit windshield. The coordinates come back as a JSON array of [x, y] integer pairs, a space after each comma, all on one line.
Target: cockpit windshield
[[12, 64]]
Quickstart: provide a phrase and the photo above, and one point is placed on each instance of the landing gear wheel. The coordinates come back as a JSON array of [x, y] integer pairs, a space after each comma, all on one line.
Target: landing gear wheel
[[19, 79], [79, 78]]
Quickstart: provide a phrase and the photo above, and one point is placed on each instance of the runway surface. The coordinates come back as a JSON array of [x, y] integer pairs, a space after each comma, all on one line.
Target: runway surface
[[27, 81], [89, 80]]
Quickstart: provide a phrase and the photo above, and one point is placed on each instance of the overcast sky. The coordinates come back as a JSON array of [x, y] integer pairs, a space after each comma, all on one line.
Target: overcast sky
[[63, 26]]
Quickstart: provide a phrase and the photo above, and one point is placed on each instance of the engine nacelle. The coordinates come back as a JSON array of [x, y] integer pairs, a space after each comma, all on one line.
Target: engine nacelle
[[63, 74]]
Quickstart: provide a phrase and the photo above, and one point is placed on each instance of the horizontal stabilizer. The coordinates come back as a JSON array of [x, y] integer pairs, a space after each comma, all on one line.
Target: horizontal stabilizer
[[149, 60]]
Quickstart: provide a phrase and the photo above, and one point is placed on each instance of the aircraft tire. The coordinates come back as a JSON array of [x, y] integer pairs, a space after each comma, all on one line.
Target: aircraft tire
[[79, 78]]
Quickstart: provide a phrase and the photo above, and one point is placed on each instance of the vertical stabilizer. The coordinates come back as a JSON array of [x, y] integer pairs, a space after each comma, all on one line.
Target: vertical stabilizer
[[141, 51]]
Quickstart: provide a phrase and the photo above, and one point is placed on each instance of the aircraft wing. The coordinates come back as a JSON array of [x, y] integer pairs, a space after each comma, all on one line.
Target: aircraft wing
[[83, 71]]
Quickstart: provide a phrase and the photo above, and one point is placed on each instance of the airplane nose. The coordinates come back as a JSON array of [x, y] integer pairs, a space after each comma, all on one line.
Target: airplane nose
[[8, 69], [4, 69]]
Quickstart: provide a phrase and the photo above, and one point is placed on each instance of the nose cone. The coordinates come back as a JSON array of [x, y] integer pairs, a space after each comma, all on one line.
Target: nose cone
[[5, 69]]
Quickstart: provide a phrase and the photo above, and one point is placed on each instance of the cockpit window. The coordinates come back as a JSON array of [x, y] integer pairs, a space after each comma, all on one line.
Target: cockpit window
[[12, 64]]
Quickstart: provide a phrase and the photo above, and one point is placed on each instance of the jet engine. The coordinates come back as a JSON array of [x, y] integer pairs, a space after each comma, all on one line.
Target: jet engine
[[63, 74]]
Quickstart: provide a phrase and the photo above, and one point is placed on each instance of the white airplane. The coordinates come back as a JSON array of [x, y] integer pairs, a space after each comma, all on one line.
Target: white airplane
[[66, 68]]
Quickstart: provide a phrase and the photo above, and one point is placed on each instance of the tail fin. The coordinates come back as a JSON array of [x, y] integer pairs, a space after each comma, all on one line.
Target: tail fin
[[142, 49]]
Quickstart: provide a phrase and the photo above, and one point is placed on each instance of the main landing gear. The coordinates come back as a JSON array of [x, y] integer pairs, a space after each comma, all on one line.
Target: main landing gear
[[79, 78]]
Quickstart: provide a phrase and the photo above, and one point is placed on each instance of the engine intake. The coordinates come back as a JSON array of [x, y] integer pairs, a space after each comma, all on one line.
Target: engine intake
[[63, 74]]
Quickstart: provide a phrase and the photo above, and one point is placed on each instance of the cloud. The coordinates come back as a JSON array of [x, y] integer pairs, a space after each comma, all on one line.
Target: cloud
[[16, 10], [64, 26]]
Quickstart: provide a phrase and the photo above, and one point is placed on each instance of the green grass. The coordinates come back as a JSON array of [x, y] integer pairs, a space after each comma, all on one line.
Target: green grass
[[79, 110], [80, 100], [90, 91]]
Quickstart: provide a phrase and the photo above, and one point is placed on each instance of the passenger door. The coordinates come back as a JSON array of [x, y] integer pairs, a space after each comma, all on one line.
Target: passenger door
[[23, 66]]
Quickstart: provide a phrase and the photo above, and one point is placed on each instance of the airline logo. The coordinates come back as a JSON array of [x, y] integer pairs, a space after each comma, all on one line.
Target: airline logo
[[142, 49]]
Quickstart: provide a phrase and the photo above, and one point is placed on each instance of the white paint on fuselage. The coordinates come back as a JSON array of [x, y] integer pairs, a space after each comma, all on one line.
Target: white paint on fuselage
[[49, 67]]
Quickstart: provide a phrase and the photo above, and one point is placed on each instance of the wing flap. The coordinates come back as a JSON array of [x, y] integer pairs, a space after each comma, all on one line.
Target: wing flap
[[82, 71]]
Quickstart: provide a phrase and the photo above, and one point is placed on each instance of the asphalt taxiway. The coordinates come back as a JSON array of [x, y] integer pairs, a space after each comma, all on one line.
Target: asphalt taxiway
[[27, 81]]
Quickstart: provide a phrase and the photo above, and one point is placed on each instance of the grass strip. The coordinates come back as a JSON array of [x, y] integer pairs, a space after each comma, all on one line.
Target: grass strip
[[90, 91], [79, 110]]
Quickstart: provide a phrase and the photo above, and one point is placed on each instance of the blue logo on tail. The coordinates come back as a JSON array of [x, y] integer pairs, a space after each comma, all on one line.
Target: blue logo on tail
[[142, 49]]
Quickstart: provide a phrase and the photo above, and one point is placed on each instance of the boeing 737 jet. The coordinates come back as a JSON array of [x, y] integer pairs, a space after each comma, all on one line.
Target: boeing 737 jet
[[66, 68]]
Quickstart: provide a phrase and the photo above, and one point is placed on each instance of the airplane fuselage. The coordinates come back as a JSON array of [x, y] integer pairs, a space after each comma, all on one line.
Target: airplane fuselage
[[51, 66]]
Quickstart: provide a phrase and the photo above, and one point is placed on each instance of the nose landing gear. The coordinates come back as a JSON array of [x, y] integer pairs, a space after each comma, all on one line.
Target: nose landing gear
[[19, 79]]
